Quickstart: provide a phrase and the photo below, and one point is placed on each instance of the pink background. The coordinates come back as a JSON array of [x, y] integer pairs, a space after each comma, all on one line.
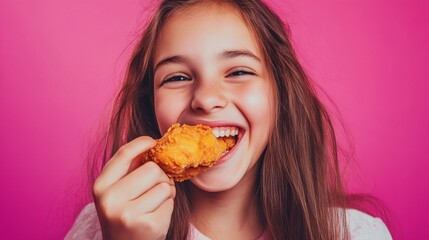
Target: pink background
[[60, 62]]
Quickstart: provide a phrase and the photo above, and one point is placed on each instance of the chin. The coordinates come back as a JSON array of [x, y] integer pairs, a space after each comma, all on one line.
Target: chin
[[216, 180]]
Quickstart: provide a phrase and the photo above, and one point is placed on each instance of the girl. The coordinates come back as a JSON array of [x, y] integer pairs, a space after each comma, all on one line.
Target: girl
[[229, 65]]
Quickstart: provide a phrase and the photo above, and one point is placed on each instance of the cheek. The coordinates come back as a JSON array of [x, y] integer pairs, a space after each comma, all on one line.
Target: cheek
[[168, 108], [257, 103]]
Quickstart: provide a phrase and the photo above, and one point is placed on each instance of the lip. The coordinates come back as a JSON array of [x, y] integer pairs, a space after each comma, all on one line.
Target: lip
[[218, 124]]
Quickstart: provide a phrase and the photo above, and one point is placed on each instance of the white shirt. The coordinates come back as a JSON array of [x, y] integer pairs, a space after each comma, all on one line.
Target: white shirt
[[361, 226]]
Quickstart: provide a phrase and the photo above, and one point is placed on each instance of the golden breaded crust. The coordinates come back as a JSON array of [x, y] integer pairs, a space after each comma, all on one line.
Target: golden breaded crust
[[185, 151]]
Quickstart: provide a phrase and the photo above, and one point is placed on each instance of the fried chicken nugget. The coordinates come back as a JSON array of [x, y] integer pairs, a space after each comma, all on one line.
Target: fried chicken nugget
[[185, 151]]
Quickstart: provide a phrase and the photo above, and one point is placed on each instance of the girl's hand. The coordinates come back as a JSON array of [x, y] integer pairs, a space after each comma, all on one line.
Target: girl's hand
[[134, 201]]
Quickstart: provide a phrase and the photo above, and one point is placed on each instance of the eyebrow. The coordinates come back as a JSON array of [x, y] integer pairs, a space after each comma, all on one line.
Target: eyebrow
[[173, 59], [239, 53], [229, 54]]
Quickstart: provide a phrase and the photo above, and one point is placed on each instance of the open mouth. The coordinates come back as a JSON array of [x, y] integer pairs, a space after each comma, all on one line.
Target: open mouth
[[185, 151], [227, 136]]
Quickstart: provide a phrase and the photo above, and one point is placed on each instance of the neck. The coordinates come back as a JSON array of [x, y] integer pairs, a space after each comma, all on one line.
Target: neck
[[230, 214]]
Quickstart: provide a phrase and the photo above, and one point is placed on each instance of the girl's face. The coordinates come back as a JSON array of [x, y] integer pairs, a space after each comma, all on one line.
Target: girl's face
[[209, 69]]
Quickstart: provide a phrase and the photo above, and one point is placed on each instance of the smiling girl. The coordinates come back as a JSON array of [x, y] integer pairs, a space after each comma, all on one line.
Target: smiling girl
[[227, 65]]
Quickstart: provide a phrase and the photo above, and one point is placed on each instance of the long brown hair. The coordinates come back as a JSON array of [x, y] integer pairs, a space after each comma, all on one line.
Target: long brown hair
[[299, 189]]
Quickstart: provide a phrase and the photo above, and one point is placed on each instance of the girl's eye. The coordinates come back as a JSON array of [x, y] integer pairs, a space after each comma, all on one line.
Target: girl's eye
[[176, 78], [240, 73]]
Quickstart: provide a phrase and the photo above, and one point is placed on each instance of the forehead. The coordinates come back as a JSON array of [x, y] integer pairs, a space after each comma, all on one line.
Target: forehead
[[204, 30]]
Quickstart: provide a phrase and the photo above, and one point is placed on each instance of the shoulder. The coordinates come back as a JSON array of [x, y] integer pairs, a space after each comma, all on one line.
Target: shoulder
[[86, 225], [363, 226]]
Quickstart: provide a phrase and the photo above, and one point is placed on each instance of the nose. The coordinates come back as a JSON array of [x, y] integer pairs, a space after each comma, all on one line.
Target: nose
[[208, 96]]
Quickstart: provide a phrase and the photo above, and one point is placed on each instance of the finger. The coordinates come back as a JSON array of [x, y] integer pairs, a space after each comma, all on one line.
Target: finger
[[152, 199], [118, 166], [160, 218], [164, 211], [139, 181], [173, 192]]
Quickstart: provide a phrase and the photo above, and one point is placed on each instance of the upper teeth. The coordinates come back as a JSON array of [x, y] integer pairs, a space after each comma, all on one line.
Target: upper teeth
[[225, 131]]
